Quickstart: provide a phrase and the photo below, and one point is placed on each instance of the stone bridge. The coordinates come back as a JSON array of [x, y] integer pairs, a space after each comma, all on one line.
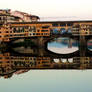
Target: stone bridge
[[44, 29]]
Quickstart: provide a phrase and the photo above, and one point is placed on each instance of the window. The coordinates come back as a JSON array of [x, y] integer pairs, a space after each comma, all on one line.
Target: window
[[44, 30], [55, 24], [63, 24], [14, 30], [38, 30], [33, 33], [7, 32], [42, 33], [33, 28], [45, 27], [69, 24]]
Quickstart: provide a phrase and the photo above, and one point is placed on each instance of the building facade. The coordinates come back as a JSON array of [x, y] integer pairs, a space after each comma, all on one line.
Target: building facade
[[25, 16]]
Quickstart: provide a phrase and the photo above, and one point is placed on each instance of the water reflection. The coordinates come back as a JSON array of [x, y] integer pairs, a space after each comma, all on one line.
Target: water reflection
[[11, 63], [18, 60], [90, 45], [63, 45]]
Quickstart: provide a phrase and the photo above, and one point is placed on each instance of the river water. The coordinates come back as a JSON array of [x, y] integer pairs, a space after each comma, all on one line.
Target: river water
[[61, 46], [49, 81], [63, 80]]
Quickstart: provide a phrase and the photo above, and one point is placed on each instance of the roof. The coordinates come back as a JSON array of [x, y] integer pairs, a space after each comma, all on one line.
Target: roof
[[35, 16], [21, 12], [44, 22]]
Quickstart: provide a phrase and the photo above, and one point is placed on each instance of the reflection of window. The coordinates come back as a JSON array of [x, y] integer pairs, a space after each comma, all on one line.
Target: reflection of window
[[0, 57], [42, 34], [38, 62], [33, 33], [11, 35], [37, 33], [7, 32]]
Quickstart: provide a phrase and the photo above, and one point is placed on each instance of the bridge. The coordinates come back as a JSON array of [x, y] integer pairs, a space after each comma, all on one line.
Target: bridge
[[12, 30]]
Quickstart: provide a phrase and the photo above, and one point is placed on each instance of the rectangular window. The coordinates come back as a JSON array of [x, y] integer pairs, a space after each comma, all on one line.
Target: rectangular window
[[33, 33], [55, 24], [44, 30], [69, 24], [44, 27], [63, 24]]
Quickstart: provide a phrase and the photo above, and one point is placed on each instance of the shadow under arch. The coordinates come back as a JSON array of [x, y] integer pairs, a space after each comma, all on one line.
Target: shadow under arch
[[17, 38], [89, 52], [46, 53]]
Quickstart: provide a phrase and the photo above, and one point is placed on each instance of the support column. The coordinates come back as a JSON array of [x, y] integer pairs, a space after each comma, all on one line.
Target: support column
[[60, 61], [70, 43], [82, 46], [40, 41]]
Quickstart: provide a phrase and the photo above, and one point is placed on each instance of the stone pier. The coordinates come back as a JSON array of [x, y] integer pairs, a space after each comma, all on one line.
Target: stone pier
[[82, 46]]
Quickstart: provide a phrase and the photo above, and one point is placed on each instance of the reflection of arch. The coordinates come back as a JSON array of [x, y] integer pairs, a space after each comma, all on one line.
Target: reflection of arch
[[46, 53], [56, 55]]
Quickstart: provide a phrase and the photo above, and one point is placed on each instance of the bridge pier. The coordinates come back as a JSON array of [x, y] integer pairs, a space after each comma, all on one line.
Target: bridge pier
[[70, 43], [60, 61], [82, 46], [40, 41]]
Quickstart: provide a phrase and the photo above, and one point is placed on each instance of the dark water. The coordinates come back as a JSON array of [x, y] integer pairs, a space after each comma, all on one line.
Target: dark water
[[57, 68]]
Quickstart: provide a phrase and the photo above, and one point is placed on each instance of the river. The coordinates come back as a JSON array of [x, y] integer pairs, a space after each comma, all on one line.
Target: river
[[26, 80]]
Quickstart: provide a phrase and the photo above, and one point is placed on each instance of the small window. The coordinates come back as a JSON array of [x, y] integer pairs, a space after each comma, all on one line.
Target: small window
[[33, 33], [44, 27], [63, 24], [55, 24], [38, 30]]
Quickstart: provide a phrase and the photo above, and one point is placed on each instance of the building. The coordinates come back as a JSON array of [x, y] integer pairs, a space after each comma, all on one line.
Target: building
[[6, 15], [25, 16]]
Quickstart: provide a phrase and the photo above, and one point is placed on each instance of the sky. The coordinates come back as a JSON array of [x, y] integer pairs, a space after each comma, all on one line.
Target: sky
[[51, 8]]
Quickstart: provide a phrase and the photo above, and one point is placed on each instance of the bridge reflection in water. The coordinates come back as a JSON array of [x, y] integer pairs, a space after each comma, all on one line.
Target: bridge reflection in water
[[16, 63]]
